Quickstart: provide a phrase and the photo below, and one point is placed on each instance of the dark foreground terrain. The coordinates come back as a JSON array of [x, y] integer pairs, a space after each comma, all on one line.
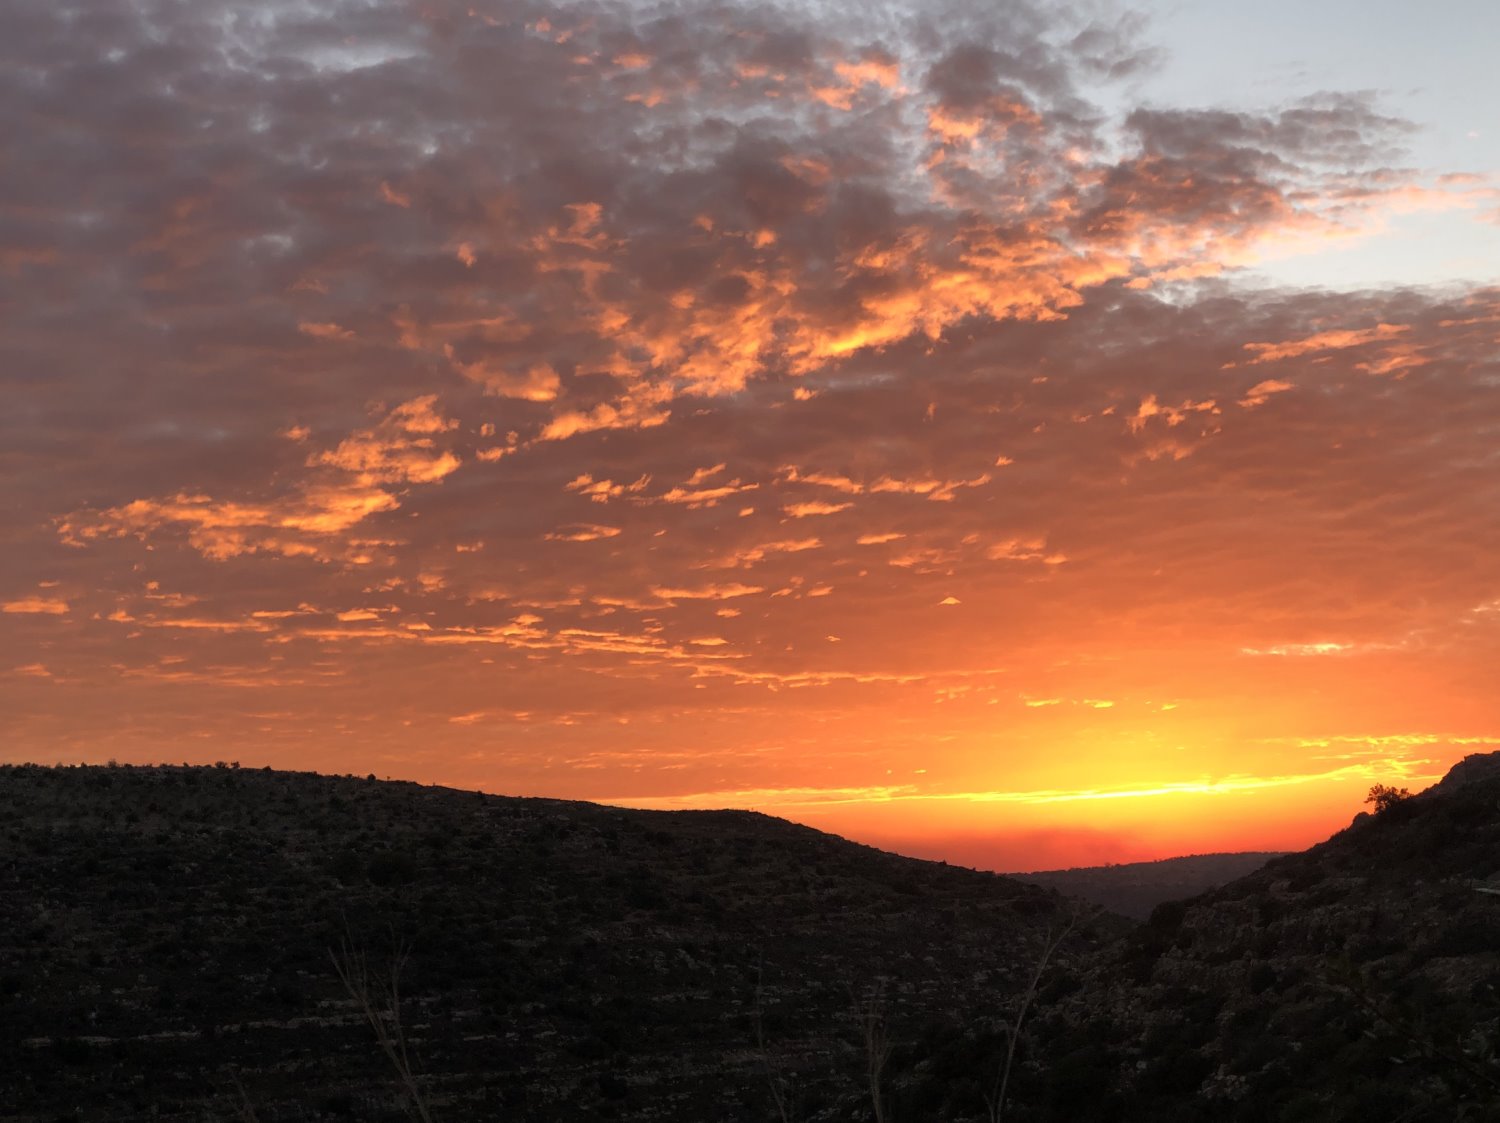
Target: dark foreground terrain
[[165, 939]]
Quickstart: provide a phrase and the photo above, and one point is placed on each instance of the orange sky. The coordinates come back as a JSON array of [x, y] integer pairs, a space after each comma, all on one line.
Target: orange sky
[[866, 428]]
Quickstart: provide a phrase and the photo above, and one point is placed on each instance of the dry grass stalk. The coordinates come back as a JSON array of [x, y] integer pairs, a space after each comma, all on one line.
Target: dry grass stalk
[[995, 1098], [379, 1000], [244, 1110], [773, 1075], [872, 1016]]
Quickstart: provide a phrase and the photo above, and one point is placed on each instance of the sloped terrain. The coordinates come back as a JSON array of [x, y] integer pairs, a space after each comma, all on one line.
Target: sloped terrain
[[165, 937], [1354, 980]]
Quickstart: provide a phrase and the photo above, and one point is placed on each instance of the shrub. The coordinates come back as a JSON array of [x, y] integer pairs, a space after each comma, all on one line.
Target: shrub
[[1385, 797]]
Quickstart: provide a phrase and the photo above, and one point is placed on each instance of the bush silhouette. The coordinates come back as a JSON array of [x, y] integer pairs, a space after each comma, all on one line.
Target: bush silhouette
[[1385, 797]]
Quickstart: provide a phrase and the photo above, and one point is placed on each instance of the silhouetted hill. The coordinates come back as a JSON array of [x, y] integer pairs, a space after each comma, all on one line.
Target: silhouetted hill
[[1133, 889], [1355, 980], [165, 937]]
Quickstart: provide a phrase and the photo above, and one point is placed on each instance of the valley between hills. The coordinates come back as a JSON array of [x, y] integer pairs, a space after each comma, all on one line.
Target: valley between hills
[[171, 942]]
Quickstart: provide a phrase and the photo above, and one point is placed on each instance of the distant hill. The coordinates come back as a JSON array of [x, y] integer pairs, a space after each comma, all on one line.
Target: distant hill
[[165, 938], [1133, 889]]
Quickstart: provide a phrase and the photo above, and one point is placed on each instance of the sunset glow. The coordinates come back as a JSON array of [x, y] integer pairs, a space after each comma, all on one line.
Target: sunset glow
[[896, 423]]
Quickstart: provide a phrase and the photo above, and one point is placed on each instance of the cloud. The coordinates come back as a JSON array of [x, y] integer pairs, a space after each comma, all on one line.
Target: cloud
[[602, 491], [1332, 339], [705, 496], [1030, 549], [34, 606], [401, 449], [325, 331], [940, 491], [814, 508], [1261, 392], [536, 383], [823, 479], [707, 592], [751, 555], [1321, 647], [583, 532]]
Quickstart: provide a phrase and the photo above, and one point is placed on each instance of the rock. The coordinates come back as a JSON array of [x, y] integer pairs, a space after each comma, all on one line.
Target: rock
[[1474, 768]]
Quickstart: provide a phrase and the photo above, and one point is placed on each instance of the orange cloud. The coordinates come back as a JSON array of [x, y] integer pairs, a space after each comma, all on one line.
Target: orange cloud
[[813, 509], [1330, 340], [707, 592], [940, 491], [35, 605], [583, 532], [1261, 392], [399, 450], [823, 479], [602, 491]]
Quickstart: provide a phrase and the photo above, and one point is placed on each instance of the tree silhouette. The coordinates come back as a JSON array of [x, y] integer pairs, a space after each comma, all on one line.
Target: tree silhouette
[[1385, 797]]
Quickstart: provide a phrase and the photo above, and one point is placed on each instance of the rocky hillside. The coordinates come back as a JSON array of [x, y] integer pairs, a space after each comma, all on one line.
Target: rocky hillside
[[1133, 889], [165, 939]]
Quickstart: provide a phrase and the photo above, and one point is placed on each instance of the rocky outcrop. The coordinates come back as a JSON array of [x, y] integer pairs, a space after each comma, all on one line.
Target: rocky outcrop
[[1475, 768]]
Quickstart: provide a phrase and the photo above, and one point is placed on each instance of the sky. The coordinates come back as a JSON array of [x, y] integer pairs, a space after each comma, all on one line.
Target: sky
[[1020, 434]]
